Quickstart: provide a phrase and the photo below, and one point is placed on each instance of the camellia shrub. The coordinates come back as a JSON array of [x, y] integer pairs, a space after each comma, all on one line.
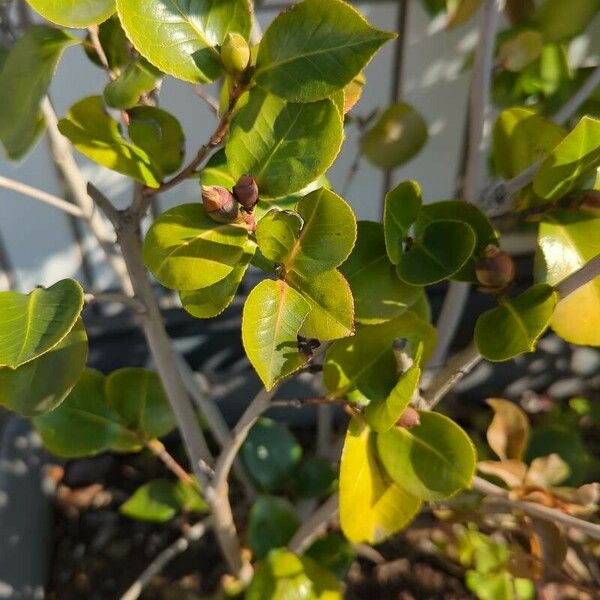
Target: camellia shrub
[[341, 302]]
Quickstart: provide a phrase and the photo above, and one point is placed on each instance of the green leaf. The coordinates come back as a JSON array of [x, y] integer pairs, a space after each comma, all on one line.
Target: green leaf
[[324, 240], [441, 251], [381, 415], [272, 317], [285, 576], [522, 137], [333, 552], [84, 424], [379, 295], [574, 159], [74, 13], [401, 209], [186, 250], [314, 478], [271, 454], [433, 460], [515, 326], [180, 36], [567, 240], [273, 522], [139, 398], [32, 324], [114, 42], [315, 48], [160, 135], [35, 53], [558, 20], [397, 136], [42, 384], [458, 210], [371, 508], [331, 313], [211, 301], [283, 145], [96, 135], [355, 363], [160, 500], [139, 77]]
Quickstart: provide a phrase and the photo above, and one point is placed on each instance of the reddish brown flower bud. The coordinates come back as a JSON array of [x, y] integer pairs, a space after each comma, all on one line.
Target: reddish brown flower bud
[[409, 418], [220, 204], [495, 269], [246, 192], [250, 222]]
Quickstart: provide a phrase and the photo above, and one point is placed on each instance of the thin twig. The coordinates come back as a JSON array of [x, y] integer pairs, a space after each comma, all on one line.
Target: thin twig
[[158, 449], [179, 546], [93, 33], [467, 359], [498, 198], [479, 98], [316, 523], [212, 102], [114, 298], [535, 510], [45, 197]]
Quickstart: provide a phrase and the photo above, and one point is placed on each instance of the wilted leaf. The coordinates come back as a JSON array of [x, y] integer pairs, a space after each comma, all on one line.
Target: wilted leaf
[[508, 433]]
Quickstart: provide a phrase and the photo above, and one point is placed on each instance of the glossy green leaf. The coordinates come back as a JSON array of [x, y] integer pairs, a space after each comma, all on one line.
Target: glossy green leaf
[[283, 145], [160, 135], [42, 384], [576, 157], [397, 136], [216, 171], [180, 36], [32, 324], [272, 317], [331, 313], [271, 454], [139, 398], [96, 135], [442, 250], [315, 48], [272, 523], [433, 460], [371, 507], [401, 209], [84, 424], [379, 294], [314, 478], [74, 13], [186, 250], [381, 415], [522, 137], [161, 499], [35, 53], [355, 363], [515, 326], [559, 20], [139, 77], [285, 576], [485, 234], [211, 301], [567, 240], [324, 241], [334, 552]]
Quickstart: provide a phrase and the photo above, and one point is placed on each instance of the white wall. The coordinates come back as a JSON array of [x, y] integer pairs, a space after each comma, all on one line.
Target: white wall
[[39, 238]]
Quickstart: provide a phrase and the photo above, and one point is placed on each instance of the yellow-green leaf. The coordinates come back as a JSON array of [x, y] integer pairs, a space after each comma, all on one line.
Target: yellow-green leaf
[[272, 318], [401, 210], [74, 13], [371, 507]]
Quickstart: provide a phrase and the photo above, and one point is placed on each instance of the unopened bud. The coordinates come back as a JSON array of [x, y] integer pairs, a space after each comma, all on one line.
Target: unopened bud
[[409, 418], [246, 192], [235, 53], [220, 204], [495, 269]]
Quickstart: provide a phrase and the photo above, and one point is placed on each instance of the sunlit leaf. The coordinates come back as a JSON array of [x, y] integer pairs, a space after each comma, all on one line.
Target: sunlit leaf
[[139, 77], [74, 13], [401, 210]]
